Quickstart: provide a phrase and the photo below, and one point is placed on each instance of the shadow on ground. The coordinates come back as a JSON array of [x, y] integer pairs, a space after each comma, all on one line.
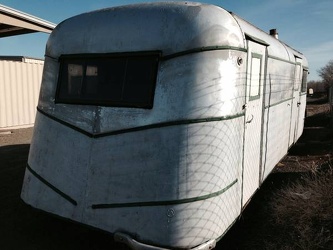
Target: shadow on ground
[[25, 228]]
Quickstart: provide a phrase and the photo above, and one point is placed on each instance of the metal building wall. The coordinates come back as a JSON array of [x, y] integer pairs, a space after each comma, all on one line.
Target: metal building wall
[[19, 91]]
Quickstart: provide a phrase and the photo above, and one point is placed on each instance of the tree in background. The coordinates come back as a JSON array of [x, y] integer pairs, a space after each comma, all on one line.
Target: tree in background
[[318, 87], [326, 73]]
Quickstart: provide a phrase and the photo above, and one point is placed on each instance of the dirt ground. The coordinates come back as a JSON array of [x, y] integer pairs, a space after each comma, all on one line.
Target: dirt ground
[[24, 228]]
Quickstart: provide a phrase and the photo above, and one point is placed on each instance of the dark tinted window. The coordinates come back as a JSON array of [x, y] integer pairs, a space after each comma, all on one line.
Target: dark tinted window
[[113, 80]]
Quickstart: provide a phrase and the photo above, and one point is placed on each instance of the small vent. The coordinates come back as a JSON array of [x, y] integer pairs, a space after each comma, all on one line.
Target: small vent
[[274, 33]]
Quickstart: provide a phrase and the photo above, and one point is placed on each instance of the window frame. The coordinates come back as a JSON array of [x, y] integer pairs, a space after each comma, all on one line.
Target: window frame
[[304, 80], [84, 59], [257, 96]]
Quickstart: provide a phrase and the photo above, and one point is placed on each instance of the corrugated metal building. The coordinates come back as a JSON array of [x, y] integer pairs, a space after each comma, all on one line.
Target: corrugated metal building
[[20, 79]]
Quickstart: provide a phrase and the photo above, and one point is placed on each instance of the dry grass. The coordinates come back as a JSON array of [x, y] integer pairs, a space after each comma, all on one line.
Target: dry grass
[[303, 211], [312, 110]]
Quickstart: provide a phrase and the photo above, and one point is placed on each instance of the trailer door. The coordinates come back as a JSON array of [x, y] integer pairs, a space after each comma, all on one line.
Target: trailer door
[[295, 103], [300, 99], [253, 119]]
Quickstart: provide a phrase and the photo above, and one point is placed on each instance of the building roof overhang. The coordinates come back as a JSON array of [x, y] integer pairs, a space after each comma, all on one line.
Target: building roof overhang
[[14, 22]]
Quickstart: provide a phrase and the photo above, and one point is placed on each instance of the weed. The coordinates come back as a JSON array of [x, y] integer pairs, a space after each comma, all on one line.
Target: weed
[[303, 211]]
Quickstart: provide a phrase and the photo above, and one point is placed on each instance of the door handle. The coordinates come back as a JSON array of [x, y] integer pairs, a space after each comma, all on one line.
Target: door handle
[[249, 120], [298, 104]]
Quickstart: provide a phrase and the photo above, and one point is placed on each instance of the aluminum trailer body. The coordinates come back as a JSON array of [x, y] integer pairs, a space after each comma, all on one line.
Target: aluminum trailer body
[[157, 122]]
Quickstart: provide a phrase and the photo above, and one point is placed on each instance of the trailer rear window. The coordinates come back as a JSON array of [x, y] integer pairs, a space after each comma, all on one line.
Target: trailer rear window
[[120, 80], [304, 80]]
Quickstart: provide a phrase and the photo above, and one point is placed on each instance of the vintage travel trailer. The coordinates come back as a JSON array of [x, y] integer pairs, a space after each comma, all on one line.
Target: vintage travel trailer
[[157, 122]]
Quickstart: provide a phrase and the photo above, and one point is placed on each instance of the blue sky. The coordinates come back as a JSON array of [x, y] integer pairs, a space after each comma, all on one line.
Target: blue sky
[[305, 25]]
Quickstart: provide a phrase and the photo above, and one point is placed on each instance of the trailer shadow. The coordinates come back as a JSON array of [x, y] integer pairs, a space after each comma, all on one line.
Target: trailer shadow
[[22, 227]]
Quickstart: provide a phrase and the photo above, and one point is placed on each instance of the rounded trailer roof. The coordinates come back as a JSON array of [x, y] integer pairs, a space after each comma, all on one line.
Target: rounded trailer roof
[[275, 47], [170, 27]]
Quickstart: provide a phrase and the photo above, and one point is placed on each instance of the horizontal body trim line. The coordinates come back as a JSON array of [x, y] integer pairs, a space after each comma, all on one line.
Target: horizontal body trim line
[[156, 53], [281, 59], [275, 104], [167, 57], [62, 194], [164, 203], [202, 49], [146, 127]]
